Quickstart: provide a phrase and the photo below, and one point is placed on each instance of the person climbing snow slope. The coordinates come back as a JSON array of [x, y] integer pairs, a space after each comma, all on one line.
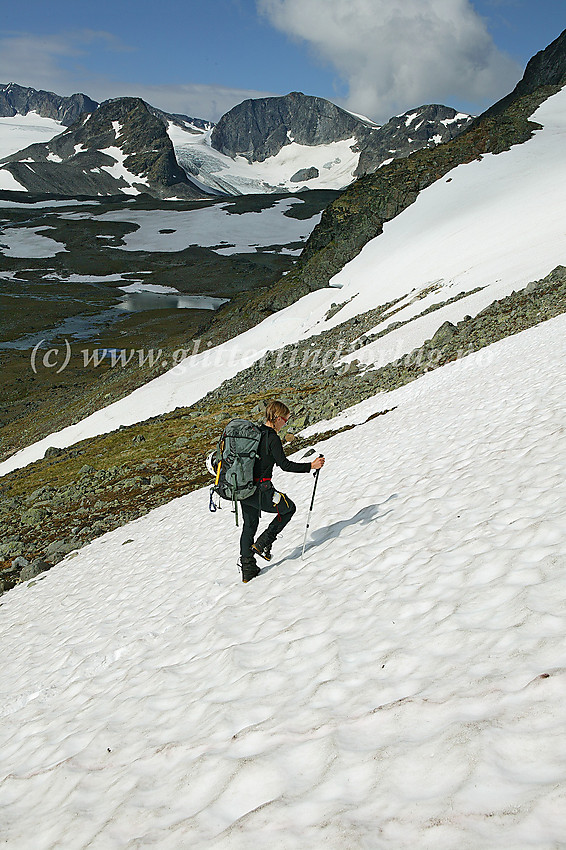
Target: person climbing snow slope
[[266, 497]]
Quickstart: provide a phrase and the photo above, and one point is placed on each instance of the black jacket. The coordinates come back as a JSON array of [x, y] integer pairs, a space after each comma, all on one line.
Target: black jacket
[[271, 453]]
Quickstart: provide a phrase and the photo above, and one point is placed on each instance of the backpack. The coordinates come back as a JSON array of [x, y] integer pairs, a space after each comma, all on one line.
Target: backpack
[[234, 460]]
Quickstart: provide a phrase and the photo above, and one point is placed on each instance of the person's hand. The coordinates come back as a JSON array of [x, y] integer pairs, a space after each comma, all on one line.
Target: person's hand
[[318, 463]]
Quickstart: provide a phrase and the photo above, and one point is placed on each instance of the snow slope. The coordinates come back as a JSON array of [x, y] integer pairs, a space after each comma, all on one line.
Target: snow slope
[[496, 223], [21, 131], [403, 686]]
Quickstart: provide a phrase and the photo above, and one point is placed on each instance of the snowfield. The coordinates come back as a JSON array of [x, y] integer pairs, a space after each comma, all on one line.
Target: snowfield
[[215, 227], [336, 163], [403, 686], [27, 242], [21, 131]]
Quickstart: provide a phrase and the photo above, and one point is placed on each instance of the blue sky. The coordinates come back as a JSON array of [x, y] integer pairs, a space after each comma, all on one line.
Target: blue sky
[[373, 56]]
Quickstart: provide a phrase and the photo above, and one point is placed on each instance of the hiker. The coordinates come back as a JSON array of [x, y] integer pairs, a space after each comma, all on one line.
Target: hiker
[[266, 497]]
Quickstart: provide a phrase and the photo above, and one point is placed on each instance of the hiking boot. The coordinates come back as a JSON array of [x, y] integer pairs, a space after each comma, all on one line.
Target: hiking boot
[[248, 568], [262, 547]]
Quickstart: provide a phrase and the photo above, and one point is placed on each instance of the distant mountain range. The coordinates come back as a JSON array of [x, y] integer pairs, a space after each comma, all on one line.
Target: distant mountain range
[[126, 146]]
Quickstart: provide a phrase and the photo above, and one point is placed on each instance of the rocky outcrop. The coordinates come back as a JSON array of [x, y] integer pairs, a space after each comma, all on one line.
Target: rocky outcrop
[[305, 174], [426, 126], [18, 100], [546, 68], [121, 148], [259, 128]]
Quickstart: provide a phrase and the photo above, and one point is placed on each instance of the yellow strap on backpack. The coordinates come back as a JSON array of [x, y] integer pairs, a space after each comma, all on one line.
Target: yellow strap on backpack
[[219, 465]]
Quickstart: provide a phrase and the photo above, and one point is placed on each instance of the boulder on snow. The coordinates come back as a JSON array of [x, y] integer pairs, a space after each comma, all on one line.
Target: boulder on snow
[[305, 174]]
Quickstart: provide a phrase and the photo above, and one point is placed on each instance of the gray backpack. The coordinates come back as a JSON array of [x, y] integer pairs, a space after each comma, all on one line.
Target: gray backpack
[[234, 459]]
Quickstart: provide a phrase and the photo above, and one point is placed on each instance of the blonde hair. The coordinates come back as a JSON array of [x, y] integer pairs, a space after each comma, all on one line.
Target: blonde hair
[[275, 409]]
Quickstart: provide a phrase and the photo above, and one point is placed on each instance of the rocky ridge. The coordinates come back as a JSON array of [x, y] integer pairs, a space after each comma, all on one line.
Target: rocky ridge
[[20, 100], [423, 127], [120, 148]]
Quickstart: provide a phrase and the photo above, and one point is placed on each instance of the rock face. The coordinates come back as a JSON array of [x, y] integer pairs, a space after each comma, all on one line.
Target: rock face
[[545, 68], [258, 128], [17, 100], [419, 128], [121, 148]]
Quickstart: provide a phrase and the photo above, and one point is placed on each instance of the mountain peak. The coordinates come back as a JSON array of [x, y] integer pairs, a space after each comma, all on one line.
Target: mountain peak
[[259, 128], [19, 100], [121, 147]]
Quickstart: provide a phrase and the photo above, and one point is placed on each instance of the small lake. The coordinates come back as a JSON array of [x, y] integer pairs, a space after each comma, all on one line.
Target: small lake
[[134, 302], [84, 327]]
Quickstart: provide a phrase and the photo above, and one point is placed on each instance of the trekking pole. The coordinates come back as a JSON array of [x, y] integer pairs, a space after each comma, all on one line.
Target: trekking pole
[[317, 473]]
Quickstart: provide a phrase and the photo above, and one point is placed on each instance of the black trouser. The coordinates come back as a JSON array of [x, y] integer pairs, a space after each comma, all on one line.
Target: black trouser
[[251, 512]]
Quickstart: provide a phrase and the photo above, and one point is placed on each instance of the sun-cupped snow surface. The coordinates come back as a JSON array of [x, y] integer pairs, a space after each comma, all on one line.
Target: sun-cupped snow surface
[[402, 686], [335, 162], [20, 131]]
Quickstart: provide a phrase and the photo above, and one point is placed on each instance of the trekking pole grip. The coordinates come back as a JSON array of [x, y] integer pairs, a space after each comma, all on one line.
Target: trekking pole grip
[[316, 474]]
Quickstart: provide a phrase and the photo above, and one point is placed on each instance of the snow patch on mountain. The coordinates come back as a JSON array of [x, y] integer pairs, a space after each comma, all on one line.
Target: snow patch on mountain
[[22, 130], [119, 170]]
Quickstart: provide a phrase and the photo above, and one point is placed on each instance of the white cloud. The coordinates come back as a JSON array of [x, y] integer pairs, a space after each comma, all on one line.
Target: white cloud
[[40, 62], [396, 54], [196, 100]]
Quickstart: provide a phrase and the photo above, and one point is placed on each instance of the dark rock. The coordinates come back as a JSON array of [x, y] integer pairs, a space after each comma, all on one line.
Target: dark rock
[[33, 516], [444, 333], [19, 562], [17, 100], [304, 174], [53, 451], [157, 479], [34, 569], [61, 547]]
